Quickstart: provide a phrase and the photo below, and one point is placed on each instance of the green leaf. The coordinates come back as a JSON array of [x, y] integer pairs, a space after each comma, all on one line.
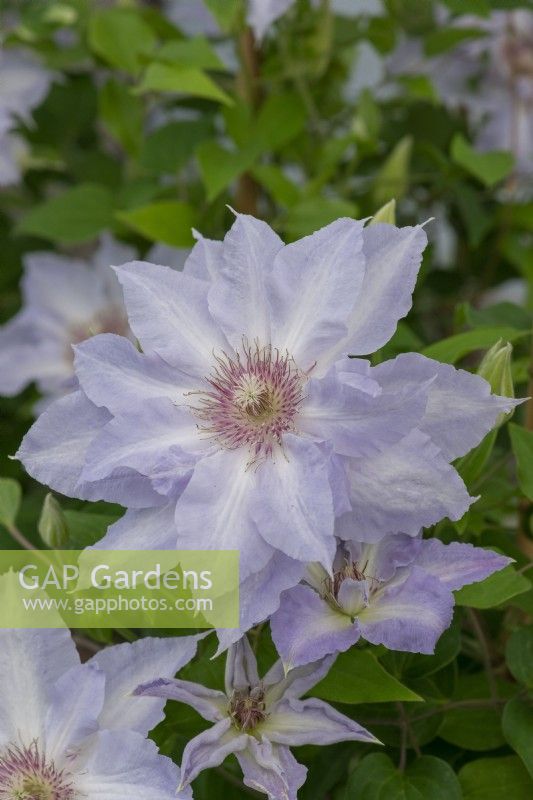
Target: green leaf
[[169, 148], [120, 37], [10, 497], [472, 465], [496, 778], [358, 677], [517, 724], [474, 728], [455, 347], [220, 167], [489, 168], [274, 180], [392, 179], [445, 38], [519, 655], [195, 52], [494, 590], [122, 113], [182, 80], [522, 442], [313, 213], [77, 215], [87, 527], [427, 778], [281, 117], [169, 221]]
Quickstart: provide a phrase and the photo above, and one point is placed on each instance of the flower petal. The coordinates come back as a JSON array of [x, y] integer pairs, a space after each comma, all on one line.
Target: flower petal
[[259, 595], [31, 661], [293, 494], [241, 667], [210, 748], [458, 564], [209, 703], [393, 256], [460, 409], [26, 356], [141, 438], [76, 701], [168, 313], [262, 13], [123, 764], [405, 488], [237, 297], [114, 374], [142, 529], [313, 287], [271, 769], [306, 628], [53, 452], [410, 615], [68, 289], [298, 722], [224, 523], [296, 682], [205, 259], [355, 422], [128, 665]]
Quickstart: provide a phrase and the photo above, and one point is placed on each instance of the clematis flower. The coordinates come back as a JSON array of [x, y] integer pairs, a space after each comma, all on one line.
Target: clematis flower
[[70, 730], [66, 300], [258, 720], [244, 425], [24, 83], [500, 65], [397, 593]]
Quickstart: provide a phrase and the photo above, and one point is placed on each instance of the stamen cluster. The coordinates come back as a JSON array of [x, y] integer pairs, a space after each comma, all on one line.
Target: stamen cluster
[[26, 774], [252, 401], [247, 707]]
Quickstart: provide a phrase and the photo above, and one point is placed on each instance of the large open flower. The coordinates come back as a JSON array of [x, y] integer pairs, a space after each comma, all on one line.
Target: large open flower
[[397, 592], [71, 730], [258, 720], [244, 425]]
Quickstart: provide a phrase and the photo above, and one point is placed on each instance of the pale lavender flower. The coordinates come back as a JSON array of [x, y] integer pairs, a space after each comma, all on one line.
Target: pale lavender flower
[[65, 300], [397, 592], [243, 425], [491, 77], [70, 730], [24, 83], [258, 720]]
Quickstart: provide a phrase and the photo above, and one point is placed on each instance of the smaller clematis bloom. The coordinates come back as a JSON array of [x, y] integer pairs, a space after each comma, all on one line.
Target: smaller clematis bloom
[[398, 592], [71, 730], [65, 301], [258, 720]]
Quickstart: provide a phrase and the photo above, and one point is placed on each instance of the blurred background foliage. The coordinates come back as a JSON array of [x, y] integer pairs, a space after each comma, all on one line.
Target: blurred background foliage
[[160, 116]]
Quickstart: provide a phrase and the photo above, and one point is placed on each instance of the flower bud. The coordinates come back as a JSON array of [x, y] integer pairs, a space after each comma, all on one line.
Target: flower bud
[[52, 526], [495, 367], [386, 213]]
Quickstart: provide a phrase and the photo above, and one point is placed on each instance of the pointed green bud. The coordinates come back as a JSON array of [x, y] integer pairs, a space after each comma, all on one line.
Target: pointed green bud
[[495, 367], [52, 526], [386, 213]]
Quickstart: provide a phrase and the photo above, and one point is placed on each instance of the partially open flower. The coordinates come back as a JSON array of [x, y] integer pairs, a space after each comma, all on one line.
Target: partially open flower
[[397, 593]]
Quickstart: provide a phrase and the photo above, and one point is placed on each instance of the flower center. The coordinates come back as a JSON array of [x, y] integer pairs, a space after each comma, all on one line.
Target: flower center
[[247, 708], [252, 400], [26, 774], [109, 320]]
